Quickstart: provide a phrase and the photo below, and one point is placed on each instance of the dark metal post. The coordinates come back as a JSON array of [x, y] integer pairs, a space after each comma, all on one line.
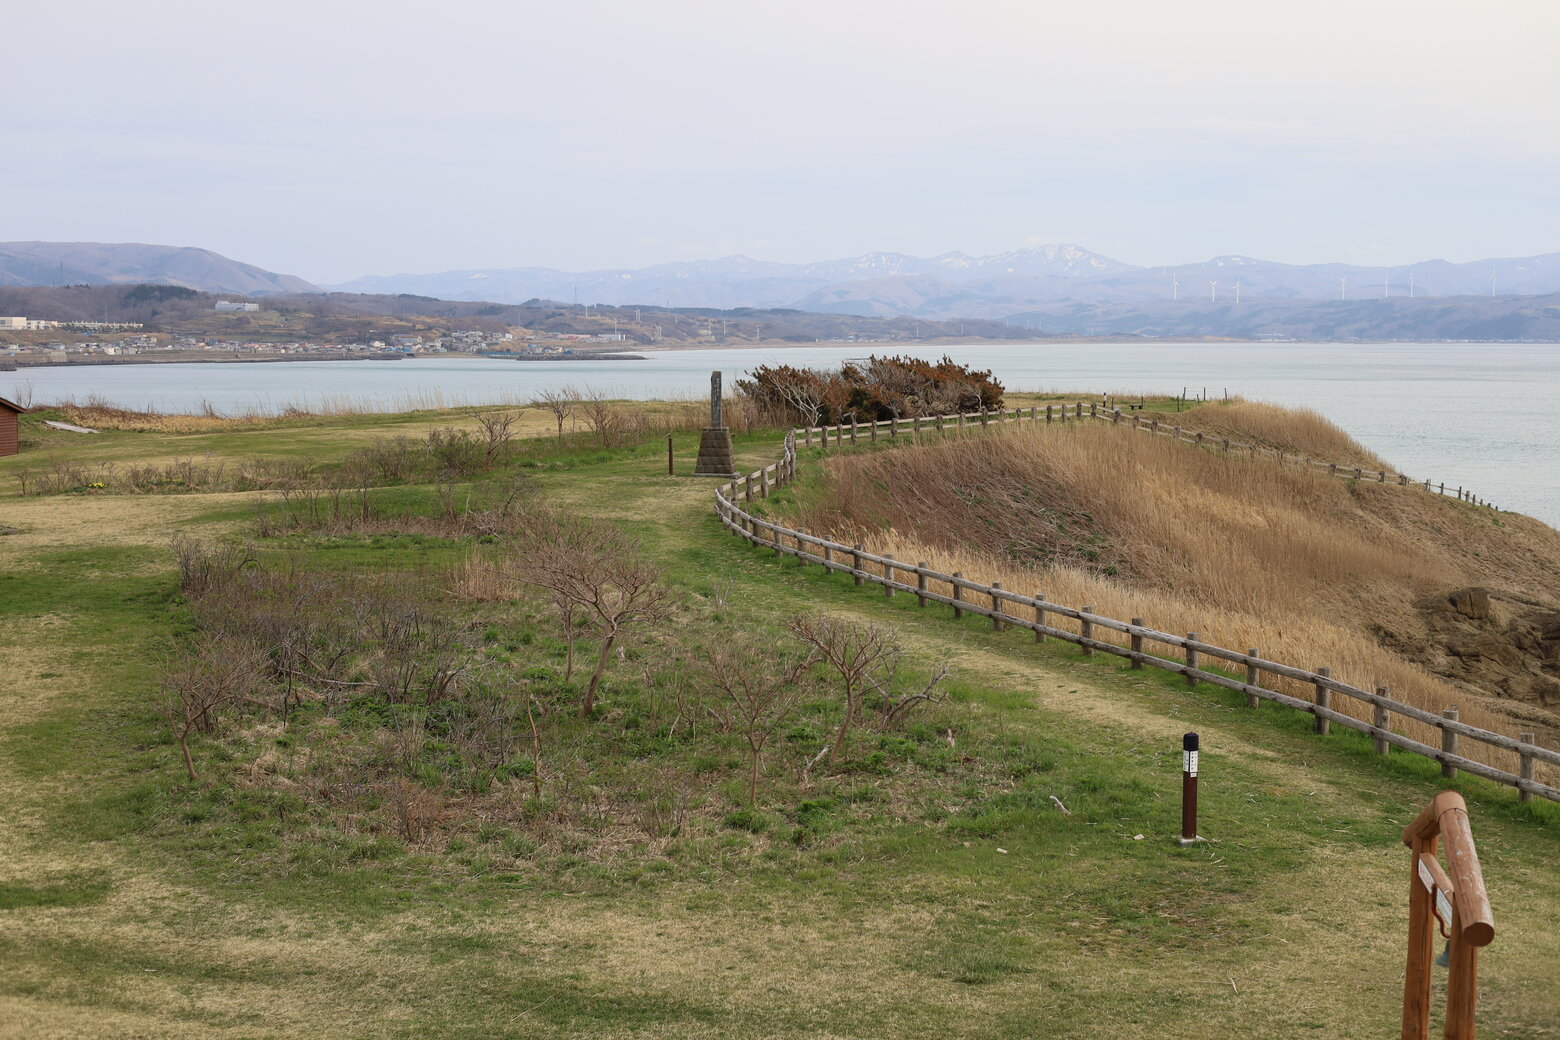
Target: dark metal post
[[671, 467], [1188, 789]]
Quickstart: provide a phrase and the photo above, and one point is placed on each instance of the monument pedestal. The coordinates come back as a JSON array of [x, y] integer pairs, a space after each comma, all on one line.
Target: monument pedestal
[[716, 458]]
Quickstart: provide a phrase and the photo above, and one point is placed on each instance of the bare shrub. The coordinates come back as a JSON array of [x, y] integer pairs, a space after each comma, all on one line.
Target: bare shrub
[[415, 812], [761, 689], [384, 460], [858, 655], [590, 567], [201, 687], [560, 404], [499, 430], [207, 565]]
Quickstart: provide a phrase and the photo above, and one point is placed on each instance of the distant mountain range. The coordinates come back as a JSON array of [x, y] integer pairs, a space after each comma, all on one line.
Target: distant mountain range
[[1058, 289], [100, 263], [955, 285]]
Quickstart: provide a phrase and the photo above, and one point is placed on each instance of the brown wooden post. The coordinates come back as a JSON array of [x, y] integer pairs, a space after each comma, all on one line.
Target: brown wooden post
[[1191, 659], [1252, 700], [671, 465], [1137, 644], [809, 436], [958, 594], [828, 557], [1323, 700], [853, 426], [873, 435], [1421, 945], [1086, 630], [1189, 752], [996, 605], [1381, 718], [763, 483], [893, 428], [1226, 445], [1039, 616], [1449, 743], [855, 563], [1358, 473], [1048, 414], [888, 576], [747, 490], [1525, 766], [1332, 469], [920, 584]]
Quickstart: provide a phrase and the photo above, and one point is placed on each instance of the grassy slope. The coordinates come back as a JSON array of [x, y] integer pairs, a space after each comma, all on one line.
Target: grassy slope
[[126, 916]]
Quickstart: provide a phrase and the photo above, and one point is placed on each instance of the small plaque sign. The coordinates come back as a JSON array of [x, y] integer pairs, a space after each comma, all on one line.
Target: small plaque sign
[[1189, 763]]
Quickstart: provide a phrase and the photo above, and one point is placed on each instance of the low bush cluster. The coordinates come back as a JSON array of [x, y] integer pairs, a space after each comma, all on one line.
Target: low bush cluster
[[882, 388]]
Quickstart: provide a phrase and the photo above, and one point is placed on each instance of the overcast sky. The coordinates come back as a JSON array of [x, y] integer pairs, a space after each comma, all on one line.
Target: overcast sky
[[330, 139]]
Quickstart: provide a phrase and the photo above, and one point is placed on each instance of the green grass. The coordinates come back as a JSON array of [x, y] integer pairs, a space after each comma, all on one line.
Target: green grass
[[137, 903]]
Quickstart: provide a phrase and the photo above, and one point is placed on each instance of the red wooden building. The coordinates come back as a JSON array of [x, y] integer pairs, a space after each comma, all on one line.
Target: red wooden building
[[8, 435]]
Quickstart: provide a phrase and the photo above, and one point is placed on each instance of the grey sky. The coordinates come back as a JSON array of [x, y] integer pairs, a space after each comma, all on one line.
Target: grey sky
[[331, 139]]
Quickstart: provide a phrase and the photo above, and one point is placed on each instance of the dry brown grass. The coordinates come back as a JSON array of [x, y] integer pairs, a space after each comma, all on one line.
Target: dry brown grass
[[1298, 431], [1310, 569]]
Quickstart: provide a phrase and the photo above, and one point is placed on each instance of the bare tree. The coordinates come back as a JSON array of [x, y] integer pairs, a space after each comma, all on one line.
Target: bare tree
[[762, 690], [593, 570], [855, 653], [498, 427], [559, 403]]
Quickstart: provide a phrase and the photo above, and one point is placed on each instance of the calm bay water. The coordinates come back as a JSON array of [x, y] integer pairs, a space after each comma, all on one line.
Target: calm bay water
[[1476, 415]]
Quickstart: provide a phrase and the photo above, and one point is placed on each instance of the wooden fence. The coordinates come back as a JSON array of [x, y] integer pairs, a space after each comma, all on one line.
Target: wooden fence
[[868, 432], [1008, 609]]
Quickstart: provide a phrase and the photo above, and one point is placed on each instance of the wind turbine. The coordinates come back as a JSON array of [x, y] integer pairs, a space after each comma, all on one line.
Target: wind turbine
[[1213, 291], [1410, 283], [1237, 292], [1386, 285], [1492, 281], [1343, 288], [1175, 287]]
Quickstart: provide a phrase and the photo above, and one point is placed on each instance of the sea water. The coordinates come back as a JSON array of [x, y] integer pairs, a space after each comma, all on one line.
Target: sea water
[[1474, 415]]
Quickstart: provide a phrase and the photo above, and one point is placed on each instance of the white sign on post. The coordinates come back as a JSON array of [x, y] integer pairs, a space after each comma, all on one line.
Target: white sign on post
[[1189, 763]]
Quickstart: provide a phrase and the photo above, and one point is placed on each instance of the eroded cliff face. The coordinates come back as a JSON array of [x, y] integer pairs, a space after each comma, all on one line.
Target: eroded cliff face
[[1495, 643]]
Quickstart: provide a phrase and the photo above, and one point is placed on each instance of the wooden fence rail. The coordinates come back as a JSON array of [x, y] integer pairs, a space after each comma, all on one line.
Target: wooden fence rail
[[896, 575]]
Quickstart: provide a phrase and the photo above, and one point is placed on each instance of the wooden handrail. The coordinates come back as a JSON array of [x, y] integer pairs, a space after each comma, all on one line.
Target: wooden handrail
[[1456, 900]]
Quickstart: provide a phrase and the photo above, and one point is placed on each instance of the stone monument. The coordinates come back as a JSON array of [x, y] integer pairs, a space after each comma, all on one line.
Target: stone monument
[[715, 453]]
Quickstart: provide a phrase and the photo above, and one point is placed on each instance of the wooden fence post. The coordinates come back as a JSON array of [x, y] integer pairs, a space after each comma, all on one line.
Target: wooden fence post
[[872, 436], [958, 594], [1252, 700], [1381, 718], [828, 557], [1449, 743], [1039, 616], [853, 427], [1323, 700], [996, 606], [855, 563], [1191, 659], [763, 483], [1525, 766], [920, 584], [1086, 630], [809, 436], [888, 575], [1137, 644], [1048, 414]]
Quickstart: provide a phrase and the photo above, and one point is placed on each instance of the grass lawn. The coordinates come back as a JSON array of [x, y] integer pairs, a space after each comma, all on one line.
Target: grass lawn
[[135, 903]]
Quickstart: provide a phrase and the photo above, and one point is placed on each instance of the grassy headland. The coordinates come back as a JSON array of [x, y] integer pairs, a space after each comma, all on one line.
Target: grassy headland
[[359, 868]]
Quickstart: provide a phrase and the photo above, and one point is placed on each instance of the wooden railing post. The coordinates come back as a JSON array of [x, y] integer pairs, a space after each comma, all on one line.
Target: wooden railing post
[[958, 594], [828, 557], [855, 564], [888, 576], [1525, 766], [1039, 616], [1252, 700], [1191, 660], [920, 584], [1137, 644], [1086, 630], [1323, 700], [1381, 718], [1048, 414], [996, 606], [1449, 743]]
